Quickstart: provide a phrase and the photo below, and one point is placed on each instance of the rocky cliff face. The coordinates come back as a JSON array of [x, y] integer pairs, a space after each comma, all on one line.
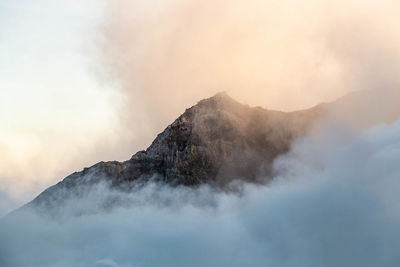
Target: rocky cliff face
[[220, 140], [216, 142]]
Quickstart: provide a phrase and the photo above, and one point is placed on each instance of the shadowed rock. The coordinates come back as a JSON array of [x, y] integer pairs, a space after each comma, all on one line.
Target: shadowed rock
[[215, 142]]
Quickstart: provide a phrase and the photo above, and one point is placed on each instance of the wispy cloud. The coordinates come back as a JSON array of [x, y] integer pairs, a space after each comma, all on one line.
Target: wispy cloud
[[334, 203]]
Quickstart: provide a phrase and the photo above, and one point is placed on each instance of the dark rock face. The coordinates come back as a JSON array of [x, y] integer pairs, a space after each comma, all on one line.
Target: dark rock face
[[215, 142], [220, 140]]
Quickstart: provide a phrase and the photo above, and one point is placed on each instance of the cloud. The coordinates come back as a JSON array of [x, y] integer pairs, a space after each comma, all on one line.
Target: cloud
[[282, 55], [7, 201], [164, 56], [335, 199], [55, 116], [333, 203]]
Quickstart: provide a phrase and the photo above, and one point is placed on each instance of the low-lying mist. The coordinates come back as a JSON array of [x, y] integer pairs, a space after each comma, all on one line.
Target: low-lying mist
[[334, 202], [161, 56]]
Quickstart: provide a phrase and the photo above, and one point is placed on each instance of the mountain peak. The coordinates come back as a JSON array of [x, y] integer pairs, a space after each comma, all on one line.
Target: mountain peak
[[219, 103], [221, 94], [219, 98], [215, 142]]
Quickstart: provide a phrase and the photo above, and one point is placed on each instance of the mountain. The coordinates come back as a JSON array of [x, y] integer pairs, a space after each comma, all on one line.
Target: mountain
[[364, 109], [215, 142]]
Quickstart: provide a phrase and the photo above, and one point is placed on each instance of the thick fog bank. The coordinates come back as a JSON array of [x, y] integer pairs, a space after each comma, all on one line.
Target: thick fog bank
[[335, 202]]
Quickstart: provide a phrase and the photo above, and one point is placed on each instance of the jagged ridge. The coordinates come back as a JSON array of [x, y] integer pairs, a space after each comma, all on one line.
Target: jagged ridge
[[215, 142]]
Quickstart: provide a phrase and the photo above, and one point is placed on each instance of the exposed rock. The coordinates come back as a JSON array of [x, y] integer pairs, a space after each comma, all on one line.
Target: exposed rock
[[214, 142]]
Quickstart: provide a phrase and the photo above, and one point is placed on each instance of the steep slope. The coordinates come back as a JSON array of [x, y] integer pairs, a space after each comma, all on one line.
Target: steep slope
[[216, 142]]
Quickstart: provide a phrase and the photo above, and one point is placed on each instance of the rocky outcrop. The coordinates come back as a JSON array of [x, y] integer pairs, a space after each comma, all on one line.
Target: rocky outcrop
[[216, 142]]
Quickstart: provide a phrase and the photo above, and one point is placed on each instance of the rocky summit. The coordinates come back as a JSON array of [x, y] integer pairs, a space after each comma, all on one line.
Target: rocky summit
[[216, 142]]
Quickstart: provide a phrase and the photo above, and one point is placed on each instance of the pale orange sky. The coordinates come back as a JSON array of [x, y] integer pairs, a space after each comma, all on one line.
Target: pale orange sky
[[97, 81]]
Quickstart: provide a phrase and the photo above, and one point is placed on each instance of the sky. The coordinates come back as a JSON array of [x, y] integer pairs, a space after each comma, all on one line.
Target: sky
[[53, 109], [85, 81], [92, 81]]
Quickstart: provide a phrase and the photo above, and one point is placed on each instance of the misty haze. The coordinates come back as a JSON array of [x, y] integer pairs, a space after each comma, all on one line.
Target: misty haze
[[199, 133]]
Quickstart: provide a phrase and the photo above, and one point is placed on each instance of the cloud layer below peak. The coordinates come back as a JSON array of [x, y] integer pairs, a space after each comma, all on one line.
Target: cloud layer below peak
[[333, 203]]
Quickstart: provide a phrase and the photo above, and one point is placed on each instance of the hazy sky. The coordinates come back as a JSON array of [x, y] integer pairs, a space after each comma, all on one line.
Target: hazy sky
[[84, 81], [52, 107]]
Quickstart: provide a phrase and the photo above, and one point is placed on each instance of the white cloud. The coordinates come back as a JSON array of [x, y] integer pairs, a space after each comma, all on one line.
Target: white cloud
[[334, 203]]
